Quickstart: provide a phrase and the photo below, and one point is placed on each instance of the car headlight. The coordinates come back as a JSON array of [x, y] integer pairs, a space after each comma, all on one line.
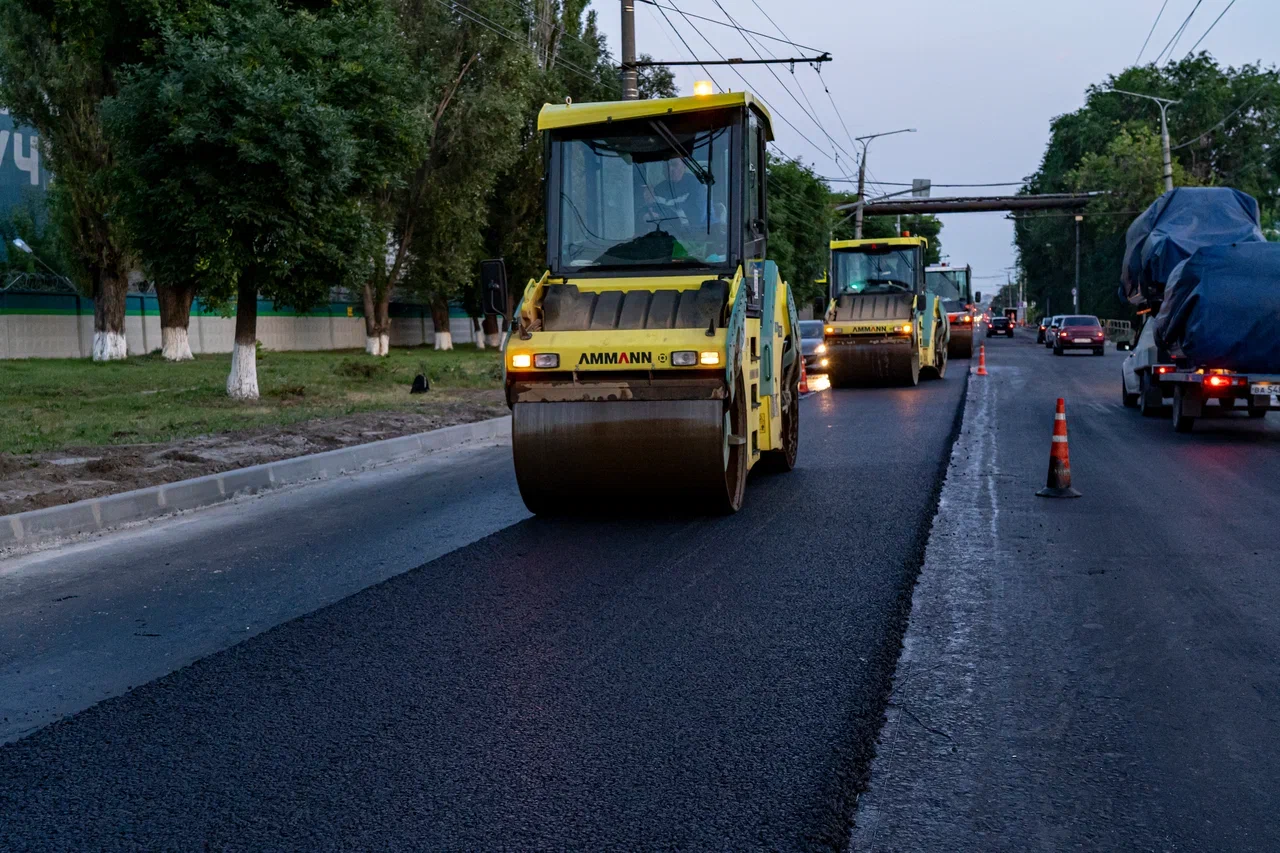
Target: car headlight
[[820, 349]]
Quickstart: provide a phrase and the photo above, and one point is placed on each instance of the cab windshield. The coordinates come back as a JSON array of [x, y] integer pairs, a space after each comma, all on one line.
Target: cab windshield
[[947, 284], [645, 193], [888, 271]]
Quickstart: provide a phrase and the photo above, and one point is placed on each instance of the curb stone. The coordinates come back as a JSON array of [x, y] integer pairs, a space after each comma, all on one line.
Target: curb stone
[[94, 515]]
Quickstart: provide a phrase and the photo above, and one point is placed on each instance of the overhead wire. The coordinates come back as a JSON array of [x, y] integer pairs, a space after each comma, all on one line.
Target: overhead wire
[[1173, 40], [1151, 32], [494, 27], [692, 55], [720, 23], [1225, 118], [1211, 26]]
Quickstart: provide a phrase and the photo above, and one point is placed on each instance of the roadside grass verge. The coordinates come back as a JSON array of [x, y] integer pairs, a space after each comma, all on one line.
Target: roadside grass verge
[[51, 404]]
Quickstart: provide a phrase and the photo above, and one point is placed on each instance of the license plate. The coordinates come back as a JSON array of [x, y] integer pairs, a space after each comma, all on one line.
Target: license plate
[[1083, 340], [1264, 389]]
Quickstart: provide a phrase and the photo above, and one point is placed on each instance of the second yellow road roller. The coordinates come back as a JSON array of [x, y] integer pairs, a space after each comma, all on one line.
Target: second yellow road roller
[[657, 360], [882, 325]]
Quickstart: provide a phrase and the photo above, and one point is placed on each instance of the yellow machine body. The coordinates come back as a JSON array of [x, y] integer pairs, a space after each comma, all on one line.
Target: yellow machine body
[[882, 326], [645, 382]]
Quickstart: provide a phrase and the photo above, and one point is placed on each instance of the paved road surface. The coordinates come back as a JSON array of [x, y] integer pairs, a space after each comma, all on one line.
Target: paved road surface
[[689, 683], [1100, 673]]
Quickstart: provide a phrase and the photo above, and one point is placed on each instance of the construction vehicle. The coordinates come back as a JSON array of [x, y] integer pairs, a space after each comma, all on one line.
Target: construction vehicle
[[882, 324], [953, 285], [657, 360]]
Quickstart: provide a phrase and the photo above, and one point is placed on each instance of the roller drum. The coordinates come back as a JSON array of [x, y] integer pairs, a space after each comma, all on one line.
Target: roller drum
[[588, 456], [873, 364]]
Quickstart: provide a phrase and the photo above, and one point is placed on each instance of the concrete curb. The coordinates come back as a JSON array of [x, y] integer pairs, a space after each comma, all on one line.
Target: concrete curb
[[97, 514]]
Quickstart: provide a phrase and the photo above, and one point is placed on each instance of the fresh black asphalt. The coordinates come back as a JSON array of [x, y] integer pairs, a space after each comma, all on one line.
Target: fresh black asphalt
[[651, 683], [1101, 673]]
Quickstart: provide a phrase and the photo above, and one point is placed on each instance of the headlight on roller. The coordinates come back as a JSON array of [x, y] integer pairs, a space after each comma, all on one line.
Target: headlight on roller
[[709, 358], [521, 361], [684, 358], [546, 360]]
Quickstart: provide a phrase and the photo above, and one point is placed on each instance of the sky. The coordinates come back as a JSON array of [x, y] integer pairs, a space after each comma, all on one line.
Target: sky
[[980, 80]]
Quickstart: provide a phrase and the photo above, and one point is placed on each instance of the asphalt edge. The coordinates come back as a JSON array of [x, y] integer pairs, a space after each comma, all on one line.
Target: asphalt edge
[[867, 743], [37, 527]]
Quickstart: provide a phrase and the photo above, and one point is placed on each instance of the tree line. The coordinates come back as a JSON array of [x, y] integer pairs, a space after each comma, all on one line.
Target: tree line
[[1224, 132], [278, 149]]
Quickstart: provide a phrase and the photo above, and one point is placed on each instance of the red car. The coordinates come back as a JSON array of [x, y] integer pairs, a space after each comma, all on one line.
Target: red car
[[1079, 332]]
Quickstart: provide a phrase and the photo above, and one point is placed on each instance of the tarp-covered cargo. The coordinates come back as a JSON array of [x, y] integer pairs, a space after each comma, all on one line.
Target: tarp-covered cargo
[[1174, 226], [1222, 308]]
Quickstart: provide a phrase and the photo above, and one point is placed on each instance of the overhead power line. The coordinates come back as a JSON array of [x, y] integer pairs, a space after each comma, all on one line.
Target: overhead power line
[[1211, 26], [910, 184], [1173, 40], [1151, 32], [496, 28], [1225, 118], [719, 23], [679, 35]]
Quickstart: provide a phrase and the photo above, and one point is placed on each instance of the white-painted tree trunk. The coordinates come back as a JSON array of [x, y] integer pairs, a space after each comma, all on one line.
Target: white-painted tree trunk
[[478, 336], [444, 340], [242, 382], [494, 340], [174, 344], [109, 346], [377, 344]]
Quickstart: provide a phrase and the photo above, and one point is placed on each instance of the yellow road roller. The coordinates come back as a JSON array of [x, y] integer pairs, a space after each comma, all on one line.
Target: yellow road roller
[[657, 360], [882, 326]]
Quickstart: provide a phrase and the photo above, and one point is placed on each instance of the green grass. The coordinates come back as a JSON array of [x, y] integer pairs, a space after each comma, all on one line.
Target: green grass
[[51, 404]]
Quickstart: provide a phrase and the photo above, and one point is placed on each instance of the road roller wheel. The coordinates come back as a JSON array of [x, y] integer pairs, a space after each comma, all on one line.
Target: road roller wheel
[[939, 370], [735, 452], [912, 376], [784, 459]]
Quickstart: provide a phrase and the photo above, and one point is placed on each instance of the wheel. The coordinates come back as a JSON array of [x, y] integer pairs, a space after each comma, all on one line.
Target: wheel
[[1057, 350], [1256, 412], [1130, 401], [1181, 422], [1099, 351], [784, 459], [939, 370], [1150, 397], [735, 443]]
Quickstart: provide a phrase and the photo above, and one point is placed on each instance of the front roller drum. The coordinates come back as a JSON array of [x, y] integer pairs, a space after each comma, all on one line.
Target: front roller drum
[[873, 364], [630, 456]]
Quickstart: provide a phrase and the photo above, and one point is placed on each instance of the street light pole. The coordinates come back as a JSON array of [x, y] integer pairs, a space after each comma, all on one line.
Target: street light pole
[[862, 176], [630, 76], [1164, 104], [1075, 291]]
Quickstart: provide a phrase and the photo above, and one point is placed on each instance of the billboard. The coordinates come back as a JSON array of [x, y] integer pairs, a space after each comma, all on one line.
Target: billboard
[[23, 178]]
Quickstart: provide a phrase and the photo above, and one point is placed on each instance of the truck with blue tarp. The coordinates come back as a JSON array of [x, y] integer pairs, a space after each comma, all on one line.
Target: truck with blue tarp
[[1199, 268]]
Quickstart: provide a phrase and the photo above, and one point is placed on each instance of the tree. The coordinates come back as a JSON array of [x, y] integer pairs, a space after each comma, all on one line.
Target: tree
[[470, 82], [1223, 133], [655, 81], [58, 61], [799, 233], [250, 143]]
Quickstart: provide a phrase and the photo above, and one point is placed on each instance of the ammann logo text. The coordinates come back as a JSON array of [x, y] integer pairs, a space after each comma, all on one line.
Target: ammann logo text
[[616, 358]]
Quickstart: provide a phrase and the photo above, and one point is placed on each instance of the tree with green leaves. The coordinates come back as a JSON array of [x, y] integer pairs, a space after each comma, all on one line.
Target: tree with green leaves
[[470, 80], [58, 61], [248, 145], [1223, 133], [799, 236]]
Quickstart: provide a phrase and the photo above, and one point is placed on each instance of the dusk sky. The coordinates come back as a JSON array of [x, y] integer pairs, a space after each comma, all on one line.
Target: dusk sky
[[980, 79]]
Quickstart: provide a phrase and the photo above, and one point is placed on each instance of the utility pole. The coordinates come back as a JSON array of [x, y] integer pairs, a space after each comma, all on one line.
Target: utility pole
[[862, 176], [630, 77], [1164, 104], [1075, 291]]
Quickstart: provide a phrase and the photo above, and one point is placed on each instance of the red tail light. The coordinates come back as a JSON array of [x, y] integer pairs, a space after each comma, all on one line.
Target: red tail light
[[1164, 368]]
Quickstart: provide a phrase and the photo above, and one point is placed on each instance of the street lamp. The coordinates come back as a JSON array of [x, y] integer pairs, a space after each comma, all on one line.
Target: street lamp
[[19, 243], [862, 175], [1164, 104]]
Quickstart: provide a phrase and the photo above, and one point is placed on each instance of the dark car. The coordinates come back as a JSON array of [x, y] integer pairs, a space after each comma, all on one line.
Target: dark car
[[812, 347], [1079, 331], [1000, 325], [1044, 324]]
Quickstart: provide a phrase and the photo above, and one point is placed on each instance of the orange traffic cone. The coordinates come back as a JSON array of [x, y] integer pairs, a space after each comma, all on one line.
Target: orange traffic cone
[[804, 378], [982, 360], [1059, 480]]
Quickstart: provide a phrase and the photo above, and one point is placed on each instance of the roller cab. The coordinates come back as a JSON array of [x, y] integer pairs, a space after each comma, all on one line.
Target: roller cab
[[953, 285], [882, 325], [657, 360]]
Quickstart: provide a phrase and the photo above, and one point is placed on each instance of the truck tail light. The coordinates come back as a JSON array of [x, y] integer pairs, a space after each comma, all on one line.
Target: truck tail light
[[1163, 368]]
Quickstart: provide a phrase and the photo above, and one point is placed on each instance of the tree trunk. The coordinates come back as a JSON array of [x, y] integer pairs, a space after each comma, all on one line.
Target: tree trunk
[[175, 317], [108, 313], [492, 332], [242, 383], [477, 333], [377, 319], [440, 322]]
